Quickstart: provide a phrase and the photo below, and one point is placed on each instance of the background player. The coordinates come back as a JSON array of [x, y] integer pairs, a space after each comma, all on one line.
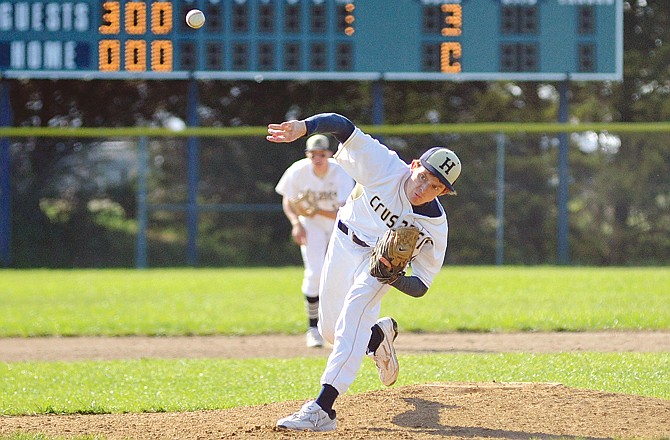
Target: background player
[[389, 193], [329, 185]]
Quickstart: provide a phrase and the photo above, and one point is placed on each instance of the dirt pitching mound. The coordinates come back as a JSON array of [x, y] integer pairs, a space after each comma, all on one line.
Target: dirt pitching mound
[[448, 410]]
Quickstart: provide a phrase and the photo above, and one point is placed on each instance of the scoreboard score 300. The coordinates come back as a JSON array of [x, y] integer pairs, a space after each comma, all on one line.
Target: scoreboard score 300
[[314, 39]]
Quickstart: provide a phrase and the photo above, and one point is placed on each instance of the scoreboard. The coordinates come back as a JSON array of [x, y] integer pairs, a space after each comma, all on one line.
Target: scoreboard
[[313, 39]]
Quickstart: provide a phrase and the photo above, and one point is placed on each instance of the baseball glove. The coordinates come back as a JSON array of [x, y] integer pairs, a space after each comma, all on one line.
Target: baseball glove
[[304, 204], [392, 253]]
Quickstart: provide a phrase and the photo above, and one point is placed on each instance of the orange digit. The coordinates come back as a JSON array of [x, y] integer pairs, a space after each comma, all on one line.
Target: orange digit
[[109, 55], [161, 56], [161, 18], [453, 20], [136, 18], [111, 18], [136, 55]]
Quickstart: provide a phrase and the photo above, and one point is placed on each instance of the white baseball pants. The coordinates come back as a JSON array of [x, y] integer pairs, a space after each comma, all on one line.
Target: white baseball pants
[[349, 305]]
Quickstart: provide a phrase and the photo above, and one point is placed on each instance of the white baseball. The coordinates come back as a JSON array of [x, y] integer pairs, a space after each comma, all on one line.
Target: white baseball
[[195, 18]]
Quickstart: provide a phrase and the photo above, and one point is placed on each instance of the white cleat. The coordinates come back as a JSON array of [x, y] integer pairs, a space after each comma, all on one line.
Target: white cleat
[[310, 418], [385, 357], [313, 338]]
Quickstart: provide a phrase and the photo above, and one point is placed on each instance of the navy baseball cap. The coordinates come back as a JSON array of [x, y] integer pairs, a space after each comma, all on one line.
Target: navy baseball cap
[[444, 164]]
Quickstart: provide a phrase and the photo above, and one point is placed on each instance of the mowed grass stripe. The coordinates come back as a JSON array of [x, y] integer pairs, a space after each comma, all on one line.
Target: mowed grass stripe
[[268, 300]]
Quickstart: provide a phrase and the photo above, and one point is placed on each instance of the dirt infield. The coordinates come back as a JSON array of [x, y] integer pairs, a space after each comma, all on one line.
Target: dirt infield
[[281, 346], [442, 410]]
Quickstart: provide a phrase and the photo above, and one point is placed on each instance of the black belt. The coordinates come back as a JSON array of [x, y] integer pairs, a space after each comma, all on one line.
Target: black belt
[[342, 227]]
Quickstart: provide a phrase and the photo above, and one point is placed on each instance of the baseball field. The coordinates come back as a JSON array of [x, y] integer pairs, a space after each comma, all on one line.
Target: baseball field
[[490, 352]]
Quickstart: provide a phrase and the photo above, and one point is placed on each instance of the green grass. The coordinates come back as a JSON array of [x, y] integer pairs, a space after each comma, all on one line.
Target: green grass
[[264, 300], [268, 300], [155, 385]]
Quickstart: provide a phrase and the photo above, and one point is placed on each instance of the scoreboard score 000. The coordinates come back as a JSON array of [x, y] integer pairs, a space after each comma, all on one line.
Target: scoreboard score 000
[[314, 39]]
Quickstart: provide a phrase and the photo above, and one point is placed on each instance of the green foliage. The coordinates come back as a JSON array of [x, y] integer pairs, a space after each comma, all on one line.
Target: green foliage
[[618, 207], [620, 210], [246, 301]]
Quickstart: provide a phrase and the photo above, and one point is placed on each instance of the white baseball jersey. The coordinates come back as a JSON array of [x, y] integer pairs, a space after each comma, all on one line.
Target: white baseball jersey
[[350, 298], [383, 204], [331, 192]]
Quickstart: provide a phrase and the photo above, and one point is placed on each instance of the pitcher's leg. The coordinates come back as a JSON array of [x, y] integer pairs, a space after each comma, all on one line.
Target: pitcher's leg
[[337, 277], [352, 333]]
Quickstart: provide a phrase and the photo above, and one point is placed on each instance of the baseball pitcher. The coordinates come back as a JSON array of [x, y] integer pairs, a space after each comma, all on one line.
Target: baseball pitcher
[[364, 260]]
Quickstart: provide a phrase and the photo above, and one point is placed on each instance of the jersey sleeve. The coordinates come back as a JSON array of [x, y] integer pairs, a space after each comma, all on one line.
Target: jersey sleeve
[[430, 259], [368, 161], [331, 123]]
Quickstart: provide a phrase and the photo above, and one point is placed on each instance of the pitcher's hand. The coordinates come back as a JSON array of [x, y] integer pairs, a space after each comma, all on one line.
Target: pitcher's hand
[[287, 131]]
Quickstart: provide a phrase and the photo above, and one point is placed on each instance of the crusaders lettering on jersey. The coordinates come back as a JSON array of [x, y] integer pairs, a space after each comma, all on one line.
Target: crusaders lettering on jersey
[[391, 220], [385, 214]]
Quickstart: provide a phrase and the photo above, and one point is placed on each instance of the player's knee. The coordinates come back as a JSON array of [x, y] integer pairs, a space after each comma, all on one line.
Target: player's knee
[[327, 331]]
